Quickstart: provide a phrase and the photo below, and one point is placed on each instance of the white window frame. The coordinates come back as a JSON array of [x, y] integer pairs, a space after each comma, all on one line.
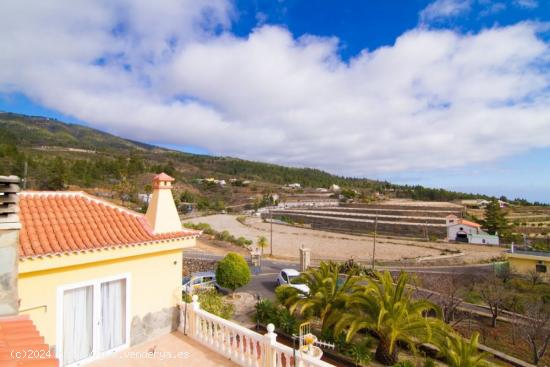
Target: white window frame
[[96, 304]]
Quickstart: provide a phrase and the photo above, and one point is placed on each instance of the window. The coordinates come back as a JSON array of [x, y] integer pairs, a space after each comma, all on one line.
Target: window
[[92, 319], [285, 278], [540, 267]]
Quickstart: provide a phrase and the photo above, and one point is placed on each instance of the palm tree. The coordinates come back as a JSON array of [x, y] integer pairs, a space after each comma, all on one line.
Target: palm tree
[[388, 310], [328, 293], [460, 352], [262, 243]]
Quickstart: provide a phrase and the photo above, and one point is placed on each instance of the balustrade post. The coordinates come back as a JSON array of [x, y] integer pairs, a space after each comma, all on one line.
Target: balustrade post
[[195, 306], [270, 356]]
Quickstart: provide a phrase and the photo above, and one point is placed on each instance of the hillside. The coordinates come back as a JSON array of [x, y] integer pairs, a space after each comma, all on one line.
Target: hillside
[[59, 155]]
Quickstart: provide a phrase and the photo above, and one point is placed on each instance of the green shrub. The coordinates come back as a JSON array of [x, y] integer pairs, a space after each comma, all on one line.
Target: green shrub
[[360, 352], [241, 241], [224, 236], [211, 301], [429, 363], [241, 219], [205, 227], [286, 321], [284, 292], [232, 271], [267, 312]]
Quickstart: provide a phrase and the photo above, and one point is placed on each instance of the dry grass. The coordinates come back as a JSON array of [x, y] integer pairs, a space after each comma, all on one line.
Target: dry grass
[[328, 245]]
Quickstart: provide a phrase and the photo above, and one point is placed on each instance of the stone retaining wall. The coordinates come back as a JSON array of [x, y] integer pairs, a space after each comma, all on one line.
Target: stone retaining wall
[[352, 225], [382, 217], [190, 266], [404, 211]]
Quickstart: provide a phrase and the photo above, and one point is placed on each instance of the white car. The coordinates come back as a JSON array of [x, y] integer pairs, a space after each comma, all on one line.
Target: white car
[[202, 280], [288, 276]]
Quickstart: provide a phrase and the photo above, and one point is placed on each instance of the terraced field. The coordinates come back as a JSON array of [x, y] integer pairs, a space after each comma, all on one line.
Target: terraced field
[[336, 246]]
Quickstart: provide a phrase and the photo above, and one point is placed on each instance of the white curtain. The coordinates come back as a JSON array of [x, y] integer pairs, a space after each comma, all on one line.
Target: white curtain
[[77, 324], [113, 314]]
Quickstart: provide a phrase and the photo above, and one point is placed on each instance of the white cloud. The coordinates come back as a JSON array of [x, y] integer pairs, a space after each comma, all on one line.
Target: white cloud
[[529, 4], [434, 99], [443, 9]]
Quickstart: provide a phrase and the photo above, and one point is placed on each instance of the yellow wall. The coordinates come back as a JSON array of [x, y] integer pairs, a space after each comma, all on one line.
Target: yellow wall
[[524, 264], [155, 275]]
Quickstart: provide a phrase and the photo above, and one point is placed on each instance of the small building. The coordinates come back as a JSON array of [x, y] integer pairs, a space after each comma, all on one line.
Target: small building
[[96, 277], [145, 198], [526, 262], [335, 188], [475, 203], [463, 230]]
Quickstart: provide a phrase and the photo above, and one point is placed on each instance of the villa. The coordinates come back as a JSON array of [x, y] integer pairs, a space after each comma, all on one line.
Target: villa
[[96, 277], [86, 282]]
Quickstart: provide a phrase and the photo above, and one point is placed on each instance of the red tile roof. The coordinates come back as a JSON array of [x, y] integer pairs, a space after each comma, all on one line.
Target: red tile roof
[[58, 222], [21, 344], [163, 177], [469, 223]]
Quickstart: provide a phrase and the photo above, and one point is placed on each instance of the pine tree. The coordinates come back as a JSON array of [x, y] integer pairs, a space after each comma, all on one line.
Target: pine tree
[[495, 218]]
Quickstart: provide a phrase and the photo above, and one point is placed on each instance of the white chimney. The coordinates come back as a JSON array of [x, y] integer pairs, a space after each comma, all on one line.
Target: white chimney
[[162, 214]]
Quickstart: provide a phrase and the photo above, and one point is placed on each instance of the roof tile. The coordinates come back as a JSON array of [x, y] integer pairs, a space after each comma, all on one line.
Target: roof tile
[[57, 222], [19, 335]]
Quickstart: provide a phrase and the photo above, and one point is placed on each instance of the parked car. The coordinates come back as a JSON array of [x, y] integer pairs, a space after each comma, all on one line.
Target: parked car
[[288, 277], [201, 280]]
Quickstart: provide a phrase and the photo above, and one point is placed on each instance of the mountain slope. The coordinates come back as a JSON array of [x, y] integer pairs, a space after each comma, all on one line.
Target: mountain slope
[[60, 154]]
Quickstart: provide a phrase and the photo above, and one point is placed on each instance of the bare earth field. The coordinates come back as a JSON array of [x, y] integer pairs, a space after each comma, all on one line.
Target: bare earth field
[[336, 246]]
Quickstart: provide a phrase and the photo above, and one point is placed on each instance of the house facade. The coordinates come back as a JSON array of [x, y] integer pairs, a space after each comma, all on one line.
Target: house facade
[[462, 230], [527, 262], [95, 277]]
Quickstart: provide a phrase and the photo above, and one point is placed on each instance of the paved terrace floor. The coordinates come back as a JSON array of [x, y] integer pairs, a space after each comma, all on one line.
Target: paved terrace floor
[[171, 350]]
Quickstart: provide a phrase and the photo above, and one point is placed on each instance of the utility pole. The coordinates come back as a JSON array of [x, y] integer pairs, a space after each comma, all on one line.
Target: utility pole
[[270, 233], [374, 241]]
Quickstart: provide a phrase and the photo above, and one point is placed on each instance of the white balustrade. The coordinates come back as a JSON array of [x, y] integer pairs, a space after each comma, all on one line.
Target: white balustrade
[[284, 357], [239, 344]]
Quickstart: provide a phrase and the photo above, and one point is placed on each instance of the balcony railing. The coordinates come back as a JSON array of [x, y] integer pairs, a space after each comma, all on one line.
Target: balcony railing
[[242, 346]]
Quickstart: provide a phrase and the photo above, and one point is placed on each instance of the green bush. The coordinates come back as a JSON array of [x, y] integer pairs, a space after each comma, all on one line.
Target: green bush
[[429, 363], [284, 292], [211, 301], [268, 312], [241, 241], [360, 352], [225, 236], [232, 271], [205, 227]]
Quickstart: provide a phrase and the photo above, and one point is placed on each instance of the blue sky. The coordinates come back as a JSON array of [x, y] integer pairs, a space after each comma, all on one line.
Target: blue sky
[[445, 93]]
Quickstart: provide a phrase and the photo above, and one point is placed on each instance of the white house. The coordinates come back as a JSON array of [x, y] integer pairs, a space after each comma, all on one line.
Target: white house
[[463, 230], [335, 188]]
